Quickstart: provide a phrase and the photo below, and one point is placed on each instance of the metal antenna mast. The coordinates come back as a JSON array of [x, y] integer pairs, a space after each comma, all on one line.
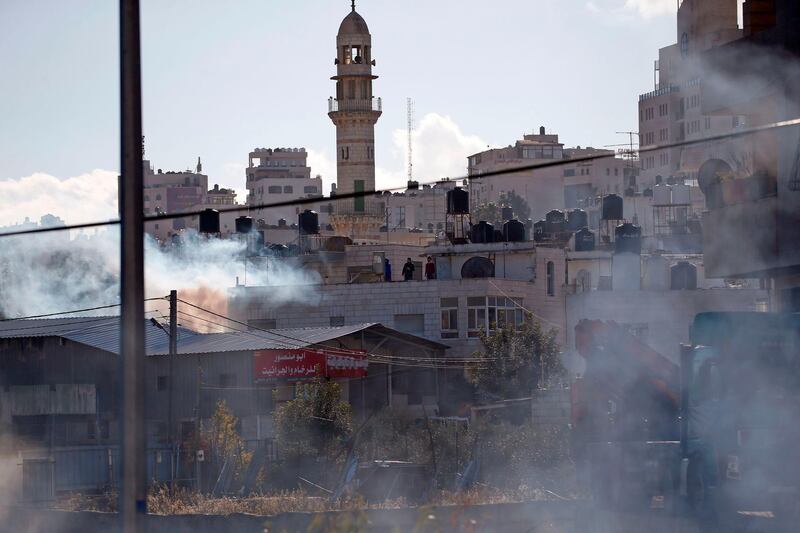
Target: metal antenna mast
[[410, 145]]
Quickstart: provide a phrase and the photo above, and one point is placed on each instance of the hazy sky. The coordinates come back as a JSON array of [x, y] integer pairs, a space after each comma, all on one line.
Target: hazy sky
[[220, 78]]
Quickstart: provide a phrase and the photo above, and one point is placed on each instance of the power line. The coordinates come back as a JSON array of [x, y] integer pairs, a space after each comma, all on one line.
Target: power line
[[363, 194], [426, 362], [71, 312]]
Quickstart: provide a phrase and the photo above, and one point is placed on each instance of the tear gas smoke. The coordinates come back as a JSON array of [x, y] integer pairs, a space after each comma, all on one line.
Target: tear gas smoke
[[51, 273]]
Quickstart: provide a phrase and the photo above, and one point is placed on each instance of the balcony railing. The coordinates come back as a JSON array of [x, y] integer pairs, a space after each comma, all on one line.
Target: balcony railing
[[659, 92], [334, 104]]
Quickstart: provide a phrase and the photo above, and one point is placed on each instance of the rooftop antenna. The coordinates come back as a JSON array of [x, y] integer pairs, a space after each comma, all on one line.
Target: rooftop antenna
[[353, 4], [410, 109]]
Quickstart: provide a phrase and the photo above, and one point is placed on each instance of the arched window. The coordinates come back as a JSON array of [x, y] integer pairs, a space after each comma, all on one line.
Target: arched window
[[551, 278]]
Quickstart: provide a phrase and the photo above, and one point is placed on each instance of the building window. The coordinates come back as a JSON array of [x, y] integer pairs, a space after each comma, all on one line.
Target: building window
[[569, 172], [274, 189], [485, 314], [227, 380], [105, 429], [337, 321], [708, 123], [551, 278], [91, 428], [449, 312], [146, 198], [288, 189], [162, 383], [310, 189], [158, 197]]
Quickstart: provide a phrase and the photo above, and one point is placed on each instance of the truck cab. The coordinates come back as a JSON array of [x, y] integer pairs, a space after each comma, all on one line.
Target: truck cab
[[740, 415]]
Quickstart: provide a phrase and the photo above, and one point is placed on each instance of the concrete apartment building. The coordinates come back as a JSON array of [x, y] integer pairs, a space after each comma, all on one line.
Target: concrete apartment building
[[418, 207], [752, 225], [558, 186], [673, 112], [183, 191], [499, 280], [279, 175], [172, 192]]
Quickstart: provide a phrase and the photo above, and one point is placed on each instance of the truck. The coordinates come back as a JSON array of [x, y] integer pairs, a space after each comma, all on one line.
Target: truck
[[740, 414], [719, 441]]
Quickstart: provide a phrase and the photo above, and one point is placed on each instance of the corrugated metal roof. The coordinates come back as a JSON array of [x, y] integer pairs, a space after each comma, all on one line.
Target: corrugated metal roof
[[103, 333]]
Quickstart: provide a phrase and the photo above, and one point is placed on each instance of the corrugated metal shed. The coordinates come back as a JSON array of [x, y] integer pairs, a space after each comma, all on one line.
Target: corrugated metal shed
[[103, 333]]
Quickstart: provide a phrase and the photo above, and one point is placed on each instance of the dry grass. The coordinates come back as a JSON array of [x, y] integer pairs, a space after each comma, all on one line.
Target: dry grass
[[163, 501]]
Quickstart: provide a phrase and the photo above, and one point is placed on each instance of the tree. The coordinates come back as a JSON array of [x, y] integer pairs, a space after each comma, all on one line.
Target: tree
[[224, 439], [493, 213], [490, 212], [315, 424], [516, 202], [514, 362]]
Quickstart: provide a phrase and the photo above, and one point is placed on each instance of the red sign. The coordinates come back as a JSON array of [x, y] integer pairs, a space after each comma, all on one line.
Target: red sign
[[300, 365]]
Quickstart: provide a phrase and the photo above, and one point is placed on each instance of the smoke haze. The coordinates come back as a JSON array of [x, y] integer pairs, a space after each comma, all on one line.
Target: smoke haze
[[50, 273]]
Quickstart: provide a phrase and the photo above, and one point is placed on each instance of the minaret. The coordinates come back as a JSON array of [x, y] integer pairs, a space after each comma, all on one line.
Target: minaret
[[354, 112]]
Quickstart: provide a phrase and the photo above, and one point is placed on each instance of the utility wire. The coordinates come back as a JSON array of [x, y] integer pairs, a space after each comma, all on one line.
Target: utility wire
[[389, 359], [363, 194], [73, 311]]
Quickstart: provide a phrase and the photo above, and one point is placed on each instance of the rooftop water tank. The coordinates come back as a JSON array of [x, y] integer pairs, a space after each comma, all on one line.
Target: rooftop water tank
[[457, 201], [244, 224], [584, 240], [662, 194], [308, 222], [209, 221], [539, 230], [577, 219], [507, 213], [628, 238], [681, 194], [281, 222], [513, 231], [683, 276], [612, 207], [482, 232], [556, 221]]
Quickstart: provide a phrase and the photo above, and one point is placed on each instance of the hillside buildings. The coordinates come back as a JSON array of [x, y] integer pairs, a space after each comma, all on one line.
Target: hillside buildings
[[277, 175], [178, 192], [562, 180]]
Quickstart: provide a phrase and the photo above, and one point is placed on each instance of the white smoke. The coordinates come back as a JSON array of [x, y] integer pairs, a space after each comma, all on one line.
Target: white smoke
[[49, 273]]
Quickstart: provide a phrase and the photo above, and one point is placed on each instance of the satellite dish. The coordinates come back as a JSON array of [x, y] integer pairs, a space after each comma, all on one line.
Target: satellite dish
[[476, 268]]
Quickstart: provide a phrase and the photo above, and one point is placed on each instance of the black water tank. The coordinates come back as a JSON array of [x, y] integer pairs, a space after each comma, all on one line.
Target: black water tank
[[413, 185], [281, 222], [482, 232], [577, 219], [278, 249], [683, 276], [244, 224], [628, 238], [477, 268], [584, 240], [612, 207], [539, 230], [308, 221], [513, 231], [556, 221], [507, 213], [209, 221], [457, 201]]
